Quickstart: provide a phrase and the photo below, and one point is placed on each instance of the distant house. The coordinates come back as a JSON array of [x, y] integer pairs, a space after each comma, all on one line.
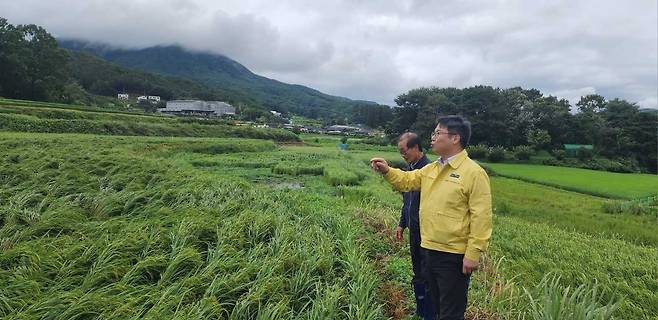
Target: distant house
[[316, 130], [278, 114], [123, 96], [342, 129], [572, 149], [147, 99], [198, 108]]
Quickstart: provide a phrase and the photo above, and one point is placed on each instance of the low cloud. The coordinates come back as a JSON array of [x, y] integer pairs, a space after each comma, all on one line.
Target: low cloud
[[377, 50]]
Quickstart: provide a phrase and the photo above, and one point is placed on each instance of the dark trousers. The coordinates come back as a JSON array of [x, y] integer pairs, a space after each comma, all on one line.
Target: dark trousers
[[416, 255], [424, 308], [448, 286]]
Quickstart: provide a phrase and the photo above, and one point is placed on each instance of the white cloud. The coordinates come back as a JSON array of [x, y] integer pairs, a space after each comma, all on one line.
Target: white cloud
[[377, 50], [651, 102]]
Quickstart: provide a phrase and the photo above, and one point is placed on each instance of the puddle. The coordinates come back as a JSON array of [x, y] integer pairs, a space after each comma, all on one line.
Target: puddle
[[287, 185], [282, 184]]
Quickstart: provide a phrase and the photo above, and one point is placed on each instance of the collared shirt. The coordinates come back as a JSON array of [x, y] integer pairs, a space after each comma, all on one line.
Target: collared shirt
[[443, 162], [455, 204], [419, 163]]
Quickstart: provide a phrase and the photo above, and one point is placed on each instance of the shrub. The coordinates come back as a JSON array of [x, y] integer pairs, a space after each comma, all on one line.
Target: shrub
[[339, 175], [479, 151], [296, 169], [496, 154], [523, 152], [559, 154], [377, 141], [601, 164], [618, 165], [538, 138], [628, 165], [584, 154], [613, 207], [552, 301], [642, 206]]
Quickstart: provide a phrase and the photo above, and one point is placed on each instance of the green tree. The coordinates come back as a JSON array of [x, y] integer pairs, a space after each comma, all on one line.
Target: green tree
[[33, 66], [539, 139], [12, 61], [591, 103]]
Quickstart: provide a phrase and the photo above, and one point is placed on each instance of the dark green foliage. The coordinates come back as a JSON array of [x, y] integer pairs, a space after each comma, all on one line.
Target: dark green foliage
[[371, 115], [378, 141], [641, 206], [515, 116], [32, 65], [584, 154], [296, 169], [496, 154], [559, 154], [222, 76], [523, 152], [479, 151], [613, 165], [86, 68]]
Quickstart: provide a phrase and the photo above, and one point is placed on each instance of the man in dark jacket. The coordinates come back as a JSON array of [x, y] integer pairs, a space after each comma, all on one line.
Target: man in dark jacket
[[412, 152]]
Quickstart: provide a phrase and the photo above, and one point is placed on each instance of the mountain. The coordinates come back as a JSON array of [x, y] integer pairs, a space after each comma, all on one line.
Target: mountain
[[225, 75], [101, 77]]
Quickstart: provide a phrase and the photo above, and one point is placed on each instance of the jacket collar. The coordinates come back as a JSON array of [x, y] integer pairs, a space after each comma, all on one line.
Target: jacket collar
[[420, 163], [458, 159]]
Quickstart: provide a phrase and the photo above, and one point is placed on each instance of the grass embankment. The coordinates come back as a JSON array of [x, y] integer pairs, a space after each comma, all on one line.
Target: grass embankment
[[597, 183], [37, 118]]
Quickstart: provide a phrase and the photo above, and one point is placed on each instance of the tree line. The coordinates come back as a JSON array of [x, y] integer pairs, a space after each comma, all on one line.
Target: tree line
[[513, 117], [34, 67]]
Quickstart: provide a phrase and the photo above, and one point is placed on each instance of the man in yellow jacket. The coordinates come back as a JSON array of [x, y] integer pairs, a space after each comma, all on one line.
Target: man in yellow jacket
[[455, 214]]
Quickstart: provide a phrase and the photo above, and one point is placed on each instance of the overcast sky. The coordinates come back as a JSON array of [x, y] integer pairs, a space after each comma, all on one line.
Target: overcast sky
[[376, 50]]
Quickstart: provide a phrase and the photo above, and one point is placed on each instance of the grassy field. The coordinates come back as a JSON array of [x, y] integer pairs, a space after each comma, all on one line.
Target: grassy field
[[127, 227], [58, 119], [570, 211], [54, 105], [599, 183], [117, 227]]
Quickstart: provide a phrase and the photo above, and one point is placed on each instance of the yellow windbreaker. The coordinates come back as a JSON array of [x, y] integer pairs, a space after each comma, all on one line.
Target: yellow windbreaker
[[455, 204]]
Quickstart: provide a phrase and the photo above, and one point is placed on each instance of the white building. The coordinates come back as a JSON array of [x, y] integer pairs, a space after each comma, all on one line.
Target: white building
[[142, 98], [154, 98], [123, 96], [198, 108]]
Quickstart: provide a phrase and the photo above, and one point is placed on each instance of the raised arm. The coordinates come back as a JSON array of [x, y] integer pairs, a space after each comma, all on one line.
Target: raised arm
[[403, 181]]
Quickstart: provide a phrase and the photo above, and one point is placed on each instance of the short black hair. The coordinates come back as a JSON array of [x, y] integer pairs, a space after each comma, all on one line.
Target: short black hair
[[412, 140], [457, 125]]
